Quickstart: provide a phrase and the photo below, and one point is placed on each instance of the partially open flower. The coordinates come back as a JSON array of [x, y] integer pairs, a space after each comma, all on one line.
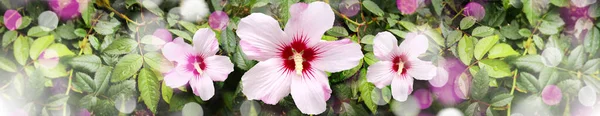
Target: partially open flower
[[218, 20], [551, 95], [66, 9], [349, 7], [407, 6], [12, 19], [48, 58], [475, 10]]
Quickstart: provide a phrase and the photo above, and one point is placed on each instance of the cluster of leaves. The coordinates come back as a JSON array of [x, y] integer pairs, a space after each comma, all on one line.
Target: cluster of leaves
[[106, 59]]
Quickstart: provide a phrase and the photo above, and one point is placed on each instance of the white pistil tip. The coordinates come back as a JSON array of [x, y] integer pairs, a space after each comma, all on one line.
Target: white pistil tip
[[298, 63]]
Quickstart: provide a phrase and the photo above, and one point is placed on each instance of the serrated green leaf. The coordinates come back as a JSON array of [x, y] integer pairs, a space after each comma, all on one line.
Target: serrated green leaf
[[529, 62], [153, 7], [102, 79], [104, 27], [501, 50], [167, 92], [501, 100], [465, 50], [551, 23], [552, 57], [149, 88], [121, 46], [495, 68], [240, 60], [592, 41], [437, 6], [408, 25], [337, 31], [576, 58], [126, 88], [182, 34], [480, 85], [191, 27], [436, 36], [57, 100], [88, 101], [467, 22], [21, 50], [83, 82], [528, 82], [157, 62], [36, 31], [482, 31], [511, 31], [591, 66], [473, 109], [569, 87], [87, 63], [40, 45], [372, 6], [127, 67], [9, 37], [548, 76], [61, 49], [484, 45], [7, 65], [66, 31]]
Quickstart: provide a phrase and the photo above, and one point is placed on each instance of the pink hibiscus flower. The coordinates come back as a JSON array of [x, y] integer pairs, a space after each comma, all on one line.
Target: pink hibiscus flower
[[293, 61], [399, 64], [197, 65]]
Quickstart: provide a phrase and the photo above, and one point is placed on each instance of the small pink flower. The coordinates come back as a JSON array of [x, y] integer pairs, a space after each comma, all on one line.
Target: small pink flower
[[551, 95], [218, 20], [12, 19], [294, 60], [197, 65], [48, 58], [475, 10], [399, 64], [424, 98], [65, 9], [407, 6]]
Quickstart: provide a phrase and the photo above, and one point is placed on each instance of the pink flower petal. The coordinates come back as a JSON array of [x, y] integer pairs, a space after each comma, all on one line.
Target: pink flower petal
[[421, 70], [267, 81], [163, 34], [205, 42], [203, 87], [384, 45], [263, 34], [402, 87], [310, 92], [337, 56], [218, 67], [414, 45], [551, 95], [176, 51], [475, 10], [48, 58], [12, 19], [174, 80], [310, 21], [218, 20], [424, 98], [407, 6], [65, 9], [381, 74]]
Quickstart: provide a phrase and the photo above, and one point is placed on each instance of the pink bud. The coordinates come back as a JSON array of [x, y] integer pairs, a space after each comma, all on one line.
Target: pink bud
[[407, 6], [48, 58], [218, 20], [475, 10], [163, 34], [12, 19], [424, 98], [349, 7], [65, 9], [551, 95]]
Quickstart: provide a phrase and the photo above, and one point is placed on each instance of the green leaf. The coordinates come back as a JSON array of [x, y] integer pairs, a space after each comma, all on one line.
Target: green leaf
[[501, 100], [525, 32], [465, 50], [167, 92], [80, 32], [182, 34], [337, 31], [528, 82], [191, 27], [121, 46], [576, 58], [398, 32], [370, 58], [560, 3], [341, 76], [153, 7], [126, 88], [25, 21], [539, 43], [532, 11], [495, 68], [480, 84], [87, 63], [453, 38], [548, 76], [21, 49], [473, 109], [437, 6], [409, 26], [570, 87], [104, 27], [102, 78], [529, 62], [467, 22], [94, 42], [482, 31], [58, 71], [88, 101], [436, 36], [7, 65], [511, 31], [552, 56], [36, 31], [240, 60], [367, 39], [57, 100], [552, 23], [40, 45], [372, 6], [83, 82], [61, 50], [484, 45], [591, 66], [67, 31], [149, 88], [501, 50], [592, 41], [127, 67], [157, 62], [329, 38], [9, 37]]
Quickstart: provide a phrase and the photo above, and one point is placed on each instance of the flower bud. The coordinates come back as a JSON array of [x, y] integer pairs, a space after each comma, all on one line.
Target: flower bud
[[218, 20], [12, 19]]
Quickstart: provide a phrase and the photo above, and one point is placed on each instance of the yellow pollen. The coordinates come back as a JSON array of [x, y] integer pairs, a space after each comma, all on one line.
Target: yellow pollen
[[400, 67], [197, 67], [298, 62]]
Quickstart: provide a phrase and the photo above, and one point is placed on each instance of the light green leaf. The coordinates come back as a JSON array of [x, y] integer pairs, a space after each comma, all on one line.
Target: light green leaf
[[560, 3], [576, 58], [436, 36], [21, 49], [157, 62], [167, 92], [551, 23], [408, 25], [126, 88], [153, 7], [501, 100], [337, 31], [102, 78], [548, 76], [7, 65], [9, 37], [473, 109], [501, 50], [40, 45], [467, 22], [495, 68], [552, 57], [61, 50], [25, 21], [66, 31], [591, 66], [529, 62], [372, 6], [182, 34], [484, 45], [398, 32], [191, 27], [36, 31], [104, 27], [482, 31], [465, 50], [525, 32], [121, 46], [127, 67], [87, 63], [149, 88]]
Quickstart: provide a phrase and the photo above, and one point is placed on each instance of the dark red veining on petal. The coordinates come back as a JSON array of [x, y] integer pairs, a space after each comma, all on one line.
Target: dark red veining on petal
[[298, 45], [400, 58], [192, 60]]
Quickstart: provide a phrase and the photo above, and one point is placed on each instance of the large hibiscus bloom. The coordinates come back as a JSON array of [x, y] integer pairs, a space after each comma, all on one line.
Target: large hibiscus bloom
[[398, 65], [293, 61]]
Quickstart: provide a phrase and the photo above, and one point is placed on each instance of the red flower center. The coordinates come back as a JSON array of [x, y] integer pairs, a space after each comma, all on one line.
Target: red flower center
[[401, 64], [296, 56], [195, 64]]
